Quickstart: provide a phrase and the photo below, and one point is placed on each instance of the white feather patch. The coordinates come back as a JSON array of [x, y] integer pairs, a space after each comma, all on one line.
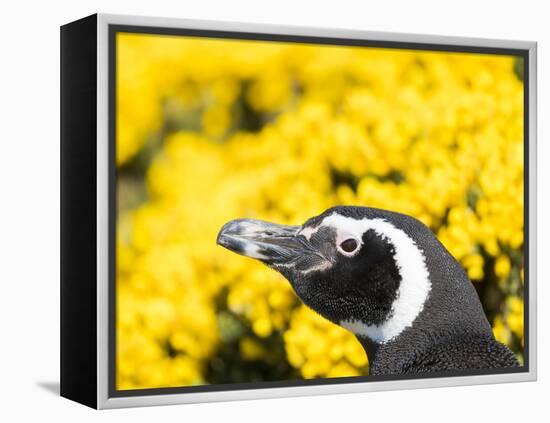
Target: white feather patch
[[251, 250], [324, 265], [415, 281], [309, 231]]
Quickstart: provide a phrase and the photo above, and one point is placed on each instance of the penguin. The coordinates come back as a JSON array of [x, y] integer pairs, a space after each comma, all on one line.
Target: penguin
[[385, 277]]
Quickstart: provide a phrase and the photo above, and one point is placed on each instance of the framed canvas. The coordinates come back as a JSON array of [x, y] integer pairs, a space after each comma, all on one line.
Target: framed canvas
[[253, 211]]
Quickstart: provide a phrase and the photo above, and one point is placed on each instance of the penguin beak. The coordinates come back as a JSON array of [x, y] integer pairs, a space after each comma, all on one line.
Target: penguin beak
[[265, 241]]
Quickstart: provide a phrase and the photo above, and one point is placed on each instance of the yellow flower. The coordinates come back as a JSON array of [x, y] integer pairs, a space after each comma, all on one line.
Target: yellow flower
[[502, 266], [251, 349], [500, 331], [515, 315]]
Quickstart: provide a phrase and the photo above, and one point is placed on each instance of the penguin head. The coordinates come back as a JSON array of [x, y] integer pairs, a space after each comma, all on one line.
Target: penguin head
[[361, 268]]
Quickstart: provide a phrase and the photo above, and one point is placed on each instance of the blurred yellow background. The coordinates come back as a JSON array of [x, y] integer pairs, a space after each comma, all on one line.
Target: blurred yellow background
[[210, 130]]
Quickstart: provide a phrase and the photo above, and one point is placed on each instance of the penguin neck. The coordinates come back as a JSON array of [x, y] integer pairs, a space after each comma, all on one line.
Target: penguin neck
[[451, 312], [393, 357], [397, 355]]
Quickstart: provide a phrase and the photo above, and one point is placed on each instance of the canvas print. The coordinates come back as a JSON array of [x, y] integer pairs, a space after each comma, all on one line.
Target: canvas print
[[294, 211]]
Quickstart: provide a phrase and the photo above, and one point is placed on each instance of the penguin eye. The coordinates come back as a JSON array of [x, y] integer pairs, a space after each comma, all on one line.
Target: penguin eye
[[349, 245]]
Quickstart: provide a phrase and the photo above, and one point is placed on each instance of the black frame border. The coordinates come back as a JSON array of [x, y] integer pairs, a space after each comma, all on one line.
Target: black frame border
[[78, 211], [114, 29]]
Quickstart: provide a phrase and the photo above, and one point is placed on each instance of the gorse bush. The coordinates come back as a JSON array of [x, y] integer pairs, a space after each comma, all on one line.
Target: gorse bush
[[210, 130]]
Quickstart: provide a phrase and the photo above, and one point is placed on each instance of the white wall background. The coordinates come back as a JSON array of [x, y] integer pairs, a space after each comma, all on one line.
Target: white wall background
[[29, 208]]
